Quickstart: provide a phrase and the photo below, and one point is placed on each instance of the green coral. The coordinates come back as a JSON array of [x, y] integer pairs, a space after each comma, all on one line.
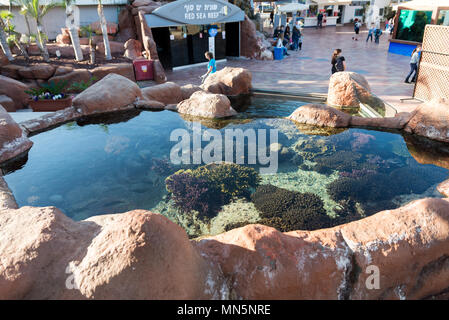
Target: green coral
[[288, 210], [233, 180]]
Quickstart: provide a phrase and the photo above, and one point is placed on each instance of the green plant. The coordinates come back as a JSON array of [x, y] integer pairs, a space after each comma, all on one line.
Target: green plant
[[81, 86], [48, 91]]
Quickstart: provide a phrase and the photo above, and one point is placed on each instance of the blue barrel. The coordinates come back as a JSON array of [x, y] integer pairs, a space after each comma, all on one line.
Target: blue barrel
[[278, 53]]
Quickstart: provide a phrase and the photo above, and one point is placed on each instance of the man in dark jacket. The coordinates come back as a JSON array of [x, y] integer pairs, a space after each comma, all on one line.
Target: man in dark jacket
[[320, 20]]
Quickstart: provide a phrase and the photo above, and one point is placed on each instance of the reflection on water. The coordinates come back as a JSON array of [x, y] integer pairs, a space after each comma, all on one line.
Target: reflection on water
[[325, 176]]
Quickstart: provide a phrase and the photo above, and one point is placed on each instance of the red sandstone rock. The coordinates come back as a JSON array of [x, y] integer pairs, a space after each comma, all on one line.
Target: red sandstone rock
[[15, 90], [62, 70], [7, 200], [229, 81], [264, 263], [349, 89], [431, 120], [63, 39], [410, 247], [26, 73], [149, 104], [111, 27], [252, 44], [99, 39], [7, 103], [147, 38], [167, 93], [143, 256], [13, 140], [321, 115], [158, 72], [43, 71], [397, 122], [127, 28], [123, 69], [443, 188], [76, 75], [11, 71], [113, 92], [66, 51], [133, 49], [207, 105], [50, 121], [117, 48], [3, 59], [188, 90], [141, 3]]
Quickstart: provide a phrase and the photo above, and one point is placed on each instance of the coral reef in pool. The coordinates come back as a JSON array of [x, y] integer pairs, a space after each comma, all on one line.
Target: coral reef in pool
[[206, 188], [288, 210]]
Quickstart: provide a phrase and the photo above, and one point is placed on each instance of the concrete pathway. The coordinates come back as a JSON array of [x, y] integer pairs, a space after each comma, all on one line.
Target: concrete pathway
[[308, 71]]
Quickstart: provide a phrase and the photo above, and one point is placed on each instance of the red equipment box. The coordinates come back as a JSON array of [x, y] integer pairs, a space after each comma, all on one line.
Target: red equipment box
[[143, 69]]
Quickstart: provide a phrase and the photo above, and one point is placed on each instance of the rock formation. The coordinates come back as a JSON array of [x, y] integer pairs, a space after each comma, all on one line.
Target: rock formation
[[112, 93], [13, 141], [349, 89], [229, 81], [253, 44], [207, 105]]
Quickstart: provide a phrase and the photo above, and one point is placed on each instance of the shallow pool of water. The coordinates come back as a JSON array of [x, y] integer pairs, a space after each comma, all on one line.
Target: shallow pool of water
[[90, 168]]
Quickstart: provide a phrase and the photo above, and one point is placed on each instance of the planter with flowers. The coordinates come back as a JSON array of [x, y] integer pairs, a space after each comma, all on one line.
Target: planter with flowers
[[49, 97]]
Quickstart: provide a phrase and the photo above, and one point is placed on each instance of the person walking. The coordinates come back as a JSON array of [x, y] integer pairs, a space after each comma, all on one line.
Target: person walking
[[370, 33], [211, 66], [377, 34], [414, 64], [319, 20], [338, 61], [296, 34], [357, 26], [272, 18]]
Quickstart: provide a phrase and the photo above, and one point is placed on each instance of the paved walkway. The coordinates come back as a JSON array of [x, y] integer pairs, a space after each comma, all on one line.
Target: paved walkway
[[308, 71]]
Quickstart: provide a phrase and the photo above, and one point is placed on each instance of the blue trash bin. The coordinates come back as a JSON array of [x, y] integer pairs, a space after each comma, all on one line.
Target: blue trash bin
[[278, 53]]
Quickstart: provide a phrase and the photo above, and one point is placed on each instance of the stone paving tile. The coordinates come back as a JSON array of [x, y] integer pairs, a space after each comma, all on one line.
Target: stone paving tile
[[309, 70]]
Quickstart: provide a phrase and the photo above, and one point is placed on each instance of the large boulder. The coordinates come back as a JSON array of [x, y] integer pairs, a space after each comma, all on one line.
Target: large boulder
[[7, 103], [158, 72], [50, 120], [42, 71], [431, 120], [407, 247], [11, 71], [77, 75], [123, 69], [167, 93], [320, 115], [207, 105], [133, 49], [117, 48], [349, 89], [229, 81], [189, 89], [134, 255], [147, 37], [15, 90], [13, 141], [113, 92], [126, 26]]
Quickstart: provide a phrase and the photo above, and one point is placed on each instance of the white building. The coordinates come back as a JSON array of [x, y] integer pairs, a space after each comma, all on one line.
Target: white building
[[54, 20]]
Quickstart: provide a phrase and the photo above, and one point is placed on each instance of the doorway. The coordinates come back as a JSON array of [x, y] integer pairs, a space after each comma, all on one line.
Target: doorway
[[162, 38], [232, 39]]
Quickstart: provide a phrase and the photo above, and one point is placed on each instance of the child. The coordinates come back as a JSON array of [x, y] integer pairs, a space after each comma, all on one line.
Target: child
[[211, 67], [370, 33], [377, 34]]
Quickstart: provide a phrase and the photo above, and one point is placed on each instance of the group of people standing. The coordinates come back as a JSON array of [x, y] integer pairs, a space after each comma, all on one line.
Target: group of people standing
[[289, 39]]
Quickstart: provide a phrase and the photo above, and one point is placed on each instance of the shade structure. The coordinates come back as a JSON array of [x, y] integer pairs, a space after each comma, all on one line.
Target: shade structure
[[331, 2], [422, 4], [293, 7]]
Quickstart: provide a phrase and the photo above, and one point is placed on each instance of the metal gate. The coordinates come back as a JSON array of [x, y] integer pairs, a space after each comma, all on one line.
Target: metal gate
[[433, 74]]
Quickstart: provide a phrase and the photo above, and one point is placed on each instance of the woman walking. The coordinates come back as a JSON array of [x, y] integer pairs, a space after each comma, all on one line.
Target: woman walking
[[413, 64], [338, 61]]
